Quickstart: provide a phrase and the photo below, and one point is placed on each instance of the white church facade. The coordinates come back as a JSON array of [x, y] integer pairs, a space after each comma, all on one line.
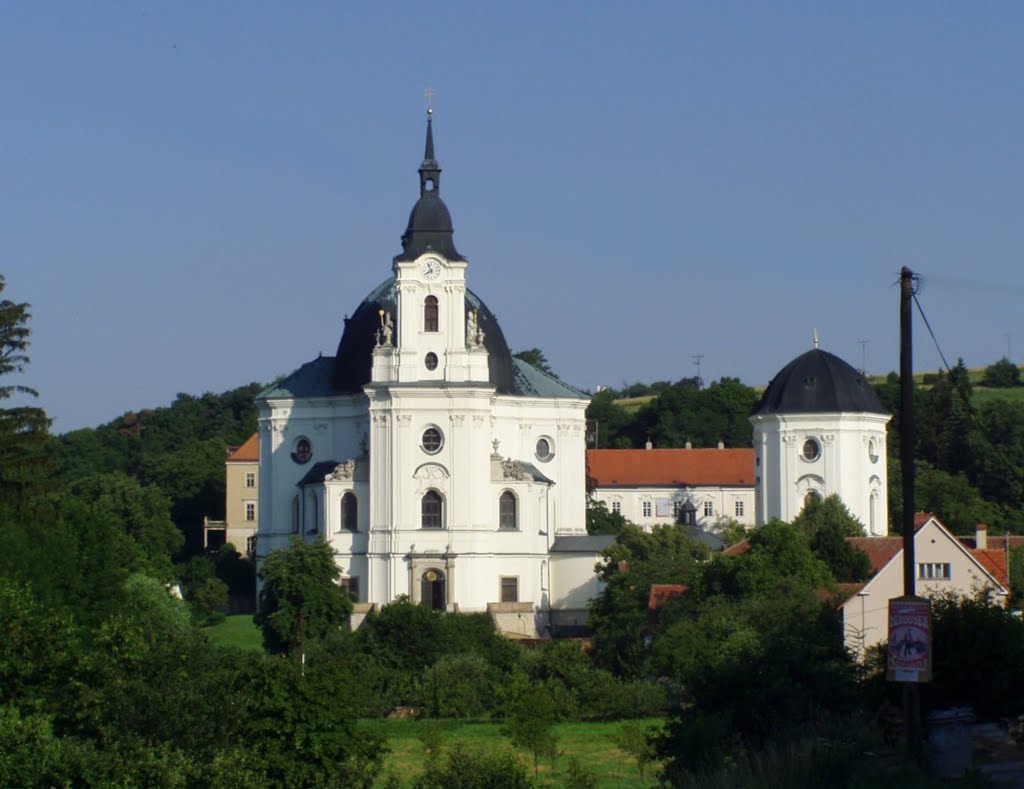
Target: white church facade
[[435, 464], [819, 430], [440, 468]]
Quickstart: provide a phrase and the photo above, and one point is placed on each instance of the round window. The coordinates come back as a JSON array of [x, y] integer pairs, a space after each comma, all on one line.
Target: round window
[[430, 361], [544, 451], [811, 450], [303, 451], [432, 440]]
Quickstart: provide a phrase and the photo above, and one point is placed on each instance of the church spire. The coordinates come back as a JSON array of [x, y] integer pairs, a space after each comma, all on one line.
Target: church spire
[[430, 224], [430, 170]]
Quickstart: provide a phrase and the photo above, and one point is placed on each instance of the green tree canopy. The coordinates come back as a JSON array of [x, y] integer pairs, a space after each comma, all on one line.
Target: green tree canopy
[[301, 601], [1002, 374], [536, 357], [23, 429], [827, 524], [618, 616]]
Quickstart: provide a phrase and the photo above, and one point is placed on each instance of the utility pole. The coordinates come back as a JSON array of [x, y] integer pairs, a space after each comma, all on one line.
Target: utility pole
[[911, 692], [697, 357], [863, 356]]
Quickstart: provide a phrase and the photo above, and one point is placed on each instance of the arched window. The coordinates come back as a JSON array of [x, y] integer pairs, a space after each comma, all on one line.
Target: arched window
[[432, 510], [349, 512], [430, 313], [507, 511]]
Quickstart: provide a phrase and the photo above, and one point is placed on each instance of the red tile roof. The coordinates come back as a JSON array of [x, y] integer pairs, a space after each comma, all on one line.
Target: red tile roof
[[994, 562], [662, 593], [249, 452], [608, 468], [737, 549], [880, 550]]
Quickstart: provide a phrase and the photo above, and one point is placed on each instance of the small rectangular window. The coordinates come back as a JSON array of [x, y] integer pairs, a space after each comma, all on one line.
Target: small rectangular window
[[509, 589], [352, 585], [250, 479], [709, 509], [934, 571], [616, 506], [677, 507], [250, 510], [250, 545], [647, 509], [739, 509]]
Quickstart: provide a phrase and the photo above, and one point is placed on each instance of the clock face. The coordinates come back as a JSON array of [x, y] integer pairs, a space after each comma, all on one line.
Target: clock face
[[431, 269]]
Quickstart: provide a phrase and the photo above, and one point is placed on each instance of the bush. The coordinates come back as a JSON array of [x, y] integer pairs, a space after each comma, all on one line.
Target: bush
[[209, 601], [978, 649], [1002, 374], [465, 769], [458, 686]]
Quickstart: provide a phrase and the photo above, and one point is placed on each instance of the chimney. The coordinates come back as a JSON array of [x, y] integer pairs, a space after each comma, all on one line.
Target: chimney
[[649, 444], [981, 537], [689, 445], [721, 445]]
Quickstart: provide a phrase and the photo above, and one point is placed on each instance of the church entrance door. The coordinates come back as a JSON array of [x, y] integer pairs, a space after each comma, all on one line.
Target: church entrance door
[[433, 590]]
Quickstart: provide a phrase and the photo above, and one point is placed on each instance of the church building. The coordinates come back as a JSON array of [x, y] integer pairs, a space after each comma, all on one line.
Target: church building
[[434, 463]]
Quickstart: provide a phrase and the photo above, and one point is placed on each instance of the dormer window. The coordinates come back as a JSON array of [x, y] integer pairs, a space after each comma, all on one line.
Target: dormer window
[[430, 313]]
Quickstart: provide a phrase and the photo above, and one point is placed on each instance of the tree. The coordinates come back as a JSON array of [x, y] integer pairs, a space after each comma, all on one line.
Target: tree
[[301, 600], [635, 742], [530, 723], [535, 357], [142, 511], [1002, 374], [601, 521], [827, 524], [23, 429], [637, 559]]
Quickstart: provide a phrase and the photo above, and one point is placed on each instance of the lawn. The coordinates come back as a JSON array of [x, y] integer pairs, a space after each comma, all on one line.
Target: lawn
[[591, 743], [236, 631]]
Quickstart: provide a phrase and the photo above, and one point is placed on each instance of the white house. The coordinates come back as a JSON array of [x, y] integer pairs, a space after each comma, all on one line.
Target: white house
[[435, 464], [700, 487]]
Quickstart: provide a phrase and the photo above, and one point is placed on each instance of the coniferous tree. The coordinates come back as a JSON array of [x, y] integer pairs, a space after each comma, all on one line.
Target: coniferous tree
[[23, 429]]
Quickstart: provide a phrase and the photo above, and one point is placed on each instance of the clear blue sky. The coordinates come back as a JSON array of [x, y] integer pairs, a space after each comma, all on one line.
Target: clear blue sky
[[194, 195]]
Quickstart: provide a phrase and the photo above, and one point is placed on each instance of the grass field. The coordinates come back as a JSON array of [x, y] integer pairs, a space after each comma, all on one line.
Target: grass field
[[591, 743], [236, 631]]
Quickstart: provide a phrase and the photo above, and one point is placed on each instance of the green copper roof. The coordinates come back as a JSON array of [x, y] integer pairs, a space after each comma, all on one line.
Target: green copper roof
[[314, 378], [532, 382]]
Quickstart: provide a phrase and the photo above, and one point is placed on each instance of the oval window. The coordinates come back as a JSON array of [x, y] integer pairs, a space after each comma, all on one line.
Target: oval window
[[544, 452], [303, 451], [430, 361], [811, 450], [432, 440]]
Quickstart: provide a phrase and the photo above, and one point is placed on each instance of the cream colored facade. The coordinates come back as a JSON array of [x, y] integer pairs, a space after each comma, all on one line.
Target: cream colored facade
[[241, 501], [943, 565]]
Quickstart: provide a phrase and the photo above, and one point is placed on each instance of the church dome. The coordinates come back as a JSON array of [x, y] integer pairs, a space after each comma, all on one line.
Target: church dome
[[819, 382], [353, 363]]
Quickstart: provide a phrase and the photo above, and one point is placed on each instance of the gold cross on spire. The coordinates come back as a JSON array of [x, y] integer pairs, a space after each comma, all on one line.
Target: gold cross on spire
[[429, 93]]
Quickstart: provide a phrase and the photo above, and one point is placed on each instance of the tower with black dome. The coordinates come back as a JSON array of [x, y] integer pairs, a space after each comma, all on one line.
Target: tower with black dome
[[435, 464], [819, 429]]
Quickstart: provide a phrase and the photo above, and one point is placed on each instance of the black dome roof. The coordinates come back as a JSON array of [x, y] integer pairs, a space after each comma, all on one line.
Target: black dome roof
[[353, 363], [819, 382]]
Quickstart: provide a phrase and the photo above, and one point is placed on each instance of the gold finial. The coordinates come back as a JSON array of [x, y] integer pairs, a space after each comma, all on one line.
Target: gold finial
[[429, 93]]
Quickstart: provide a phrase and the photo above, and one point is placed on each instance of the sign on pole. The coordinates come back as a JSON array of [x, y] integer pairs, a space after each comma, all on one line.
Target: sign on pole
[[910, 640]]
